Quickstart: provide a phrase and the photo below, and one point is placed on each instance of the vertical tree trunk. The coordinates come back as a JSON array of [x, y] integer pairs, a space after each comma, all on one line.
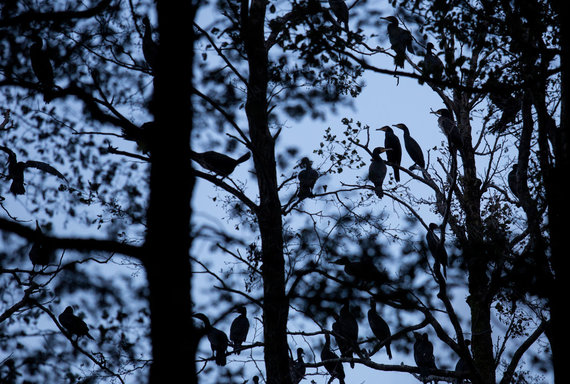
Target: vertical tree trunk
[[167, 243], [275, 303]]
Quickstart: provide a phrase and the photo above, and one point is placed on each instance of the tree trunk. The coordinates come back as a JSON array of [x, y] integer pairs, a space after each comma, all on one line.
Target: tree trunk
[[167, 245]]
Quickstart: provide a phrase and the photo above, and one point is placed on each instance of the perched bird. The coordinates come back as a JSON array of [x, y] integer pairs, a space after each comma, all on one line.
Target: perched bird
[[400, 40], [335, 368], [447, 125], [73, 324], [239, 328], [394, 155], [462, 367], [377, 170], [41, 63], [412, 147], [363, 269], [345, 330], [149, 46], [307, 179], [423, 353], [432, 65], [16, 170], [140, 135], [340, 10], [255, 379], [218, 339], [40, 254], [379, 327], [513, 181], [217, 162], [297, 367], [436, 247]]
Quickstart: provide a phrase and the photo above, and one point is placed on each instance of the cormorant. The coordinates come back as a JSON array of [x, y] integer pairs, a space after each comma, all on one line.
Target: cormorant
[[217, 162], [394, 155], [346, 332], [447, 125], [363, 269], [377, 171], [412, 147], [379, 327], [16, 170], [400, 40], [40, 254], [140, 135], [340, 10], [335, 369], [41, 64], [297, 367], [218, 339], [149, 46], [432, 66], [307, 179], [513, 181], [73, 324], [239, 328], [255, 379], [462, 368], [436, 247], [423, 353]]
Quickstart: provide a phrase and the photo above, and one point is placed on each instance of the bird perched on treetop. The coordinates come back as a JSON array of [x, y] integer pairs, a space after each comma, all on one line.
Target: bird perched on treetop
[[73, 324], [16, 170], [379, 327], [340, 10], [432, 65], [447, 125], [217, 162], [297, 367], [40, 254], [400, 40], [307, 179], [394, 155], [149, 46], [41, 65], [377, 170], [239, 328], [346, 332], [218, 339], [423, 353], [412, 147], [436, 247], [335, 369]]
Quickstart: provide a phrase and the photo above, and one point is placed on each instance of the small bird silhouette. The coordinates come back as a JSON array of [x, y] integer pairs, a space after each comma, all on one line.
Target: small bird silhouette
[[217, 162], [307, 179], [41, 66], [16, 171], [149, 46], [39, 253], [73, 324]]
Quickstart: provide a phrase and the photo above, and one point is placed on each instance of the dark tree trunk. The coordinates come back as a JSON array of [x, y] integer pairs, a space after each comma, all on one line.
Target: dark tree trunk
[[166, 258]]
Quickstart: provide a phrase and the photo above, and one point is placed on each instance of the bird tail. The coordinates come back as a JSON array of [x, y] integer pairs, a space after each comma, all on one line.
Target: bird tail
[[220, 358], [379, 192], [396, 174], [304, 193], [244, 158], [399, 60], [389, 351]]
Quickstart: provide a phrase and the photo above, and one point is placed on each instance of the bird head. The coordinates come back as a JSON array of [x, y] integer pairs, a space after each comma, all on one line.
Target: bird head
[[442, 112], [429, 47], [202, 317], [305, 162], [241, 310], [372, 303], [342, 261], [378, 150], [385, 128], [400, 125], [391, 19], [300, 352], [433, 226], [68, 310]]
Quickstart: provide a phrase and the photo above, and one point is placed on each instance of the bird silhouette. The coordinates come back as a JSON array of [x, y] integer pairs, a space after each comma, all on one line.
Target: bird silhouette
[[513, 181], [16, 171], [239, 328], [363, 269], [40, 254], [412, 147], [345, 330], [149, 46], [307, 179], [377, 171], [334, 368], [297, 367], [340, 10], [379, 327], [436, 247], [400, 40], [74, 324], [423, 353], [218, 163], [41, 66], [432, 65], [140, 135], [218, 339], [394, 155], [447, 125]]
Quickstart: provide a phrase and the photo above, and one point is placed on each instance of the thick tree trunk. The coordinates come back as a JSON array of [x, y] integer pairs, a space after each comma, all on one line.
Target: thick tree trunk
[[167, 245], [275, 303]]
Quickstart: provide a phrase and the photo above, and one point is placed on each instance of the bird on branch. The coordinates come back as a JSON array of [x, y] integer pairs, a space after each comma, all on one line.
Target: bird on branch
[[412, 147], [41, 66], [437, 248], [218, 339], [74, 324], [340, 10], [377, 170], [379, 327], [400, 40], [218, 163], [307, 179], [334, 368], [394, 155], [239, 328]]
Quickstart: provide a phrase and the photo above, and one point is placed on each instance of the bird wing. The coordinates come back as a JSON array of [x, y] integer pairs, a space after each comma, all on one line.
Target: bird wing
[[44, 167]]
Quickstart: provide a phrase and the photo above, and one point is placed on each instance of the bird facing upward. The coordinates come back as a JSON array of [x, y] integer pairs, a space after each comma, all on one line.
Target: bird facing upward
[[73, 324]]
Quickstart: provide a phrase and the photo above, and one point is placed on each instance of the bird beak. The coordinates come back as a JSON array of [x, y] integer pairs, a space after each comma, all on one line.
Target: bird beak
[[381, 129]]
